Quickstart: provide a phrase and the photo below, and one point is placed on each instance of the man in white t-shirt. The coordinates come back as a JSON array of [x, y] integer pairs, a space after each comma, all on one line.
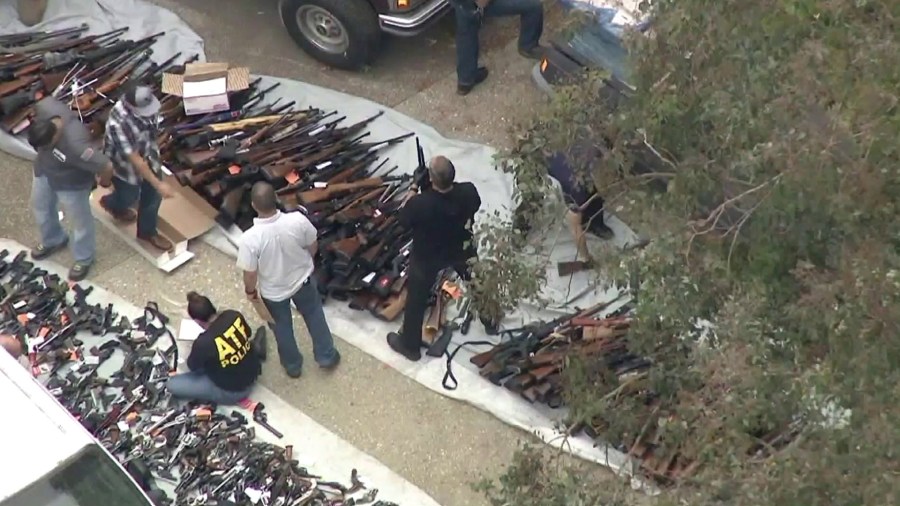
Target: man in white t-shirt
[[276, 255]]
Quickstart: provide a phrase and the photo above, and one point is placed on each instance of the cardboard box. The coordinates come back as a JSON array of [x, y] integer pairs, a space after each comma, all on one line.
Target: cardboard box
[[204, 87], [183, 217]]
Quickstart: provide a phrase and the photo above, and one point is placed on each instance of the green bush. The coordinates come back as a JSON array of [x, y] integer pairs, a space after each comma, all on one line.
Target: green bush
[[778, 126]]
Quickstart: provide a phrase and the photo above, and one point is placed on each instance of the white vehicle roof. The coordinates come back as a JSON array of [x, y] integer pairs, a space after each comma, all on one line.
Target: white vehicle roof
[[38, 433]]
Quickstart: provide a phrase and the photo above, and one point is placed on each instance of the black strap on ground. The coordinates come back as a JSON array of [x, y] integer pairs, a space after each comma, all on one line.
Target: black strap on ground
[[152, 310], [448, 373]]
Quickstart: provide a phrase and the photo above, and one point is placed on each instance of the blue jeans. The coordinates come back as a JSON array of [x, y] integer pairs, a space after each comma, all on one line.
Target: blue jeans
[[468, 21], [77, 207], [123, 197], [309, 303], [195, 385]]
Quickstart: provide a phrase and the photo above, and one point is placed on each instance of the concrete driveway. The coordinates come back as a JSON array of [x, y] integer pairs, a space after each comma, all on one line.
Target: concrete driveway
[[439, 444]]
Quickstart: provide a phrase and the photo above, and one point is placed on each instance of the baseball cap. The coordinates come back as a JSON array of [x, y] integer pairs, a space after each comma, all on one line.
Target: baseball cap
[[145, 103]]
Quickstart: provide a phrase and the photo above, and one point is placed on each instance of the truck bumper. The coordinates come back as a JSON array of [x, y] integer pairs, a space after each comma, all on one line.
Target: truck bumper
[[409, 24]]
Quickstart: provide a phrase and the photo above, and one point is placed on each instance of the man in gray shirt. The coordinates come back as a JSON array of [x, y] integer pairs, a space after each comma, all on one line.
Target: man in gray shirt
[[67, 165]]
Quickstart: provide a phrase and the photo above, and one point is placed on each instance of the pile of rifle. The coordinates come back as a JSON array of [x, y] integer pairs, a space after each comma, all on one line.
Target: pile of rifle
[[316, 166], [198, 454], [85, 71], [530, 362]]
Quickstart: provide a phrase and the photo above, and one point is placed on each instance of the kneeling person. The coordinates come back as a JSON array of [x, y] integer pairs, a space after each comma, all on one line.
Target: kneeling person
[[223, 364]]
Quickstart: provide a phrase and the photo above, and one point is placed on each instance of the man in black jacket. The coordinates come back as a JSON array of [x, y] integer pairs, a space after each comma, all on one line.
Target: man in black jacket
[[223, 364], [441, 222]]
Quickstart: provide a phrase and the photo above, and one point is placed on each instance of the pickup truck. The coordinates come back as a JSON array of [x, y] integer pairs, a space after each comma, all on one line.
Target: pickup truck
[[347, 34]]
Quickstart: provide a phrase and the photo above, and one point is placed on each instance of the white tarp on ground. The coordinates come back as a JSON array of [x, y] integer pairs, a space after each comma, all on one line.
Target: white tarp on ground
[[474, 163], [317, 448]]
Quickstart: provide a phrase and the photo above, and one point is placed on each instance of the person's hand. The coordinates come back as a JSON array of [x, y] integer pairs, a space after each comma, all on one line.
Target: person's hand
[[166, 190], [482, 4], [252, 296]]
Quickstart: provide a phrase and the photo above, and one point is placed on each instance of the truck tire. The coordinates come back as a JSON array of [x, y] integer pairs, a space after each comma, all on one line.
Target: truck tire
[[340, 33]]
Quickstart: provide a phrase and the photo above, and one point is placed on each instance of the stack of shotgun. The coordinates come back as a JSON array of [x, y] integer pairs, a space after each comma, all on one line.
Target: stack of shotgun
[[85, 71]]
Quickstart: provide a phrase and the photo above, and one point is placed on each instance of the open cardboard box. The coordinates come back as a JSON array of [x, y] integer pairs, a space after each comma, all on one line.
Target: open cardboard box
[[183, 217], [204, 87]]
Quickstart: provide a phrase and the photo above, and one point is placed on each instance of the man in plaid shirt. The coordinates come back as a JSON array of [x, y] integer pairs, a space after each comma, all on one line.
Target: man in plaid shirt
[[130, 143]]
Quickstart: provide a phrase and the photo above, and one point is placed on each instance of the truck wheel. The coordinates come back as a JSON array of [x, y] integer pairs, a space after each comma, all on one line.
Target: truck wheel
[[340, 33]]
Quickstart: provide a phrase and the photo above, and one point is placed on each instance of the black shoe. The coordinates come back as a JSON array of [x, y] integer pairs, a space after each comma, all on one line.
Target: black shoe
[[259, 343], [396, 344], [480, 75], [41, 252], [534, 53], [330, 366], [79, 271], [294, 373]]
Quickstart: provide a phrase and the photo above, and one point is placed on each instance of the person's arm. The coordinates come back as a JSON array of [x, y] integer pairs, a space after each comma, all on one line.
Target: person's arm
[[407, 215], [476, 200], [197, 357], [251, 278], [92, 159], [248, 262], [116, 131]]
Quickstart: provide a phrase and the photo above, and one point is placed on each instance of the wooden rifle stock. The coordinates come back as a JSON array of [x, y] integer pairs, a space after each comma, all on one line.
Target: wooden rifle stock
[[28, 69], [371, 253], [435, 321], [329, 192], [15, 85], [346, 248], [111, 84], [400, 284], [186, 178], [18, 122], [244, 123], [53, 80], [390, 308], [483, 359], [356, 209], [364, 301]]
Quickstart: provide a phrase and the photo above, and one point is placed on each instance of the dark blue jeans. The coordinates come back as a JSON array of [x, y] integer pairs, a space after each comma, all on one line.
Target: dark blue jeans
[[309, 303], [468, 21], [125, 194]]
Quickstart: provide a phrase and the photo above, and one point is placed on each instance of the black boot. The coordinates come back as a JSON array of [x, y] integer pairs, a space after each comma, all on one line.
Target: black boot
[[396, 344]]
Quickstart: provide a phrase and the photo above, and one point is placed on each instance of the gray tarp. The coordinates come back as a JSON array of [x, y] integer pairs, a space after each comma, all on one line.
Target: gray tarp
[[474, 163]]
